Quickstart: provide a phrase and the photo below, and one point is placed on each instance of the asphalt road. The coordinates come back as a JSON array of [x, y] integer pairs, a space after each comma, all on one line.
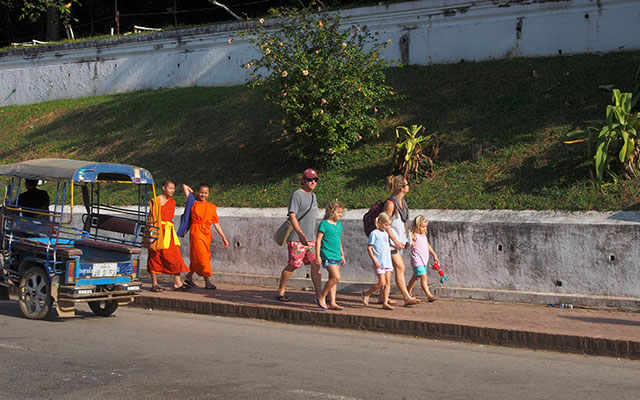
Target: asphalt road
[[164, 355]]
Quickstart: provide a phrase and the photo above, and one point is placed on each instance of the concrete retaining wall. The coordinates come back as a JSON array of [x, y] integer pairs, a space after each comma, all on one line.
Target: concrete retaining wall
[[422, 32], [584, 258]]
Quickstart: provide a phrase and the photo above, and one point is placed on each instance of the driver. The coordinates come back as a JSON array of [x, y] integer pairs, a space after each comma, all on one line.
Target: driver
[[34, 198]]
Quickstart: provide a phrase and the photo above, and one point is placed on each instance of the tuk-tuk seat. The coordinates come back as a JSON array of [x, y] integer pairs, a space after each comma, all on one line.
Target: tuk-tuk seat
[[116, 247], [64, 251], [112, 223]]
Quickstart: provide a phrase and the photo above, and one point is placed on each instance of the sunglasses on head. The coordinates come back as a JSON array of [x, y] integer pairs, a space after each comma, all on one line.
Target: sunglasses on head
[[312, 179]]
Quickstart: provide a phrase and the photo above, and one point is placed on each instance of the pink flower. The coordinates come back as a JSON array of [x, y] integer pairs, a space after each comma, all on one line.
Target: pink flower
[[344, 45], [262, 20], [284, 74], [267, 51], [323, 101], [389, 41], [320, 24], [248, 65], [281, 44], [305, 72], [317, 51], [230, 41], [298, 130]]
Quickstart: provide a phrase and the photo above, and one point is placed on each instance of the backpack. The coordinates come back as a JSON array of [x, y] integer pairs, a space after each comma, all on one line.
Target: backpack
[[369, 218]]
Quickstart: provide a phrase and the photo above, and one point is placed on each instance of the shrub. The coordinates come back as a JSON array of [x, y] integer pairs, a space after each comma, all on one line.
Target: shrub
[[616, 142], [329, 81], [409, 158]]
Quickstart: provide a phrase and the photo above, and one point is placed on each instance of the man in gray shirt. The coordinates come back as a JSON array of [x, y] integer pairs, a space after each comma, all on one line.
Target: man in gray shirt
[[301, 245]]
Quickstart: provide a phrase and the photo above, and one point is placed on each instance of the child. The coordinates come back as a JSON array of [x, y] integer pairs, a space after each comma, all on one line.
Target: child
[[380, 253], [420, 256], [329, 249], [164, 253], [200, 216]]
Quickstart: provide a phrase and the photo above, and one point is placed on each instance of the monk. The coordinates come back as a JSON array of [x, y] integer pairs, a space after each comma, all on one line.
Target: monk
[[164, 253], [200, 215]]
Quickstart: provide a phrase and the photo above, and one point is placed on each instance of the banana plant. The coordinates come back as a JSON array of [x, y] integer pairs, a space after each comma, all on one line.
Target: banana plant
[[617, 140], [409, 149]]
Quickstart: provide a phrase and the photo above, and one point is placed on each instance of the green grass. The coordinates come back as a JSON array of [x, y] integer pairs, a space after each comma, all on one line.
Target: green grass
[[229, 137]]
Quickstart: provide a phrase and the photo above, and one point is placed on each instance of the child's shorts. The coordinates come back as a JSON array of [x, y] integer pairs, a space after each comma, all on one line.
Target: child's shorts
[[326, 263], [420, 270], [383, 270], [299, 253]]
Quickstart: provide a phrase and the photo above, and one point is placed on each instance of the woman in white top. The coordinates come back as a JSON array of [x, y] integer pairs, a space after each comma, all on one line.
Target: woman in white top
[[396, 206]]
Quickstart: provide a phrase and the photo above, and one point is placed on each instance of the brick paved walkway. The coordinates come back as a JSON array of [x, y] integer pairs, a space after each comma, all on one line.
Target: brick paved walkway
[[578, 330]]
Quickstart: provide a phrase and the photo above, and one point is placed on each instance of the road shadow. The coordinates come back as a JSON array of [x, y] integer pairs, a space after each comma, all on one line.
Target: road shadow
[[598, 320]]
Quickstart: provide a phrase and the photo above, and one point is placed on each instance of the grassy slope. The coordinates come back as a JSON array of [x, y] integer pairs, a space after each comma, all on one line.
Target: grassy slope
[[229, 136]]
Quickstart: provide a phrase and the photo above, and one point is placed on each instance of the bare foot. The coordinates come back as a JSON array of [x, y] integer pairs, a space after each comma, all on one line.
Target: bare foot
[[336, 307], [365, 299], [392, 302], [387, 307]]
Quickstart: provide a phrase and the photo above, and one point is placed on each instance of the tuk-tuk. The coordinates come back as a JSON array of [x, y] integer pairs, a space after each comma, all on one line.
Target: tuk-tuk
[[50, 254]]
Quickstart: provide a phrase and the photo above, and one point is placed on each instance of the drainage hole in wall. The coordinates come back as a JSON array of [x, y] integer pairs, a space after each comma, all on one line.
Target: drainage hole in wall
[[499, 247], [558, 283], [612, 257], [178, 65], [238, 245], [308, 276]]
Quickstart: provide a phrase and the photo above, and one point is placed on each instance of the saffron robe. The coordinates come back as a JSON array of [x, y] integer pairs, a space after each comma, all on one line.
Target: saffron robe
[[164, 256], [203, 214]]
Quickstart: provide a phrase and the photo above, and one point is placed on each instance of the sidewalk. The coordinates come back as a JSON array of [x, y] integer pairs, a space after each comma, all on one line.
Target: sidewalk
[[577, 330]]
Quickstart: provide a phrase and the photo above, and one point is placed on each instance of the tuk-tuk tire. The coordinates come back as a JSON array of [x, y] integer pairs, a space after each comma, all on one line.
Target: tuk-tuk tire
[[104, 308], [34, 293]]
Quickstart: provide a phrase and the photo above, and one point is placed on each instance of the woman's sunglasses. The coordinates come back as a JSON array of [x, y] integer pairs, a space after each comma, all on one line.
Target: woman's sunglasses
[[312, 179]]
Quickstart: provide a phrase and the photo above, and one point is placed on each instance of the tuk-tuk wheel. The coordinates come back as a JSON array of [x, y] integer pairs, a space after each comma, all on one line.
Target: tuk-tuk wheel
[[34, 293], [103, 308]]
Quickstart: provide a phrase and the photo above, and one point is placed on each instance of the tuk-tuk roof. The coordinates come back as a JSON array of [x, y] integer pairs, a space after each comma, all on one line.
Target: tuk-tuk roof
[[60, 169]]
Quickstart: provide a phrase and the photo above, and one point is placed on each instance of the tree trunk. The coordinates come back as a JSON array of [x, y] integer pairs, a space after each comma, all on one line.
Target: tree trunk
[[53, 24]]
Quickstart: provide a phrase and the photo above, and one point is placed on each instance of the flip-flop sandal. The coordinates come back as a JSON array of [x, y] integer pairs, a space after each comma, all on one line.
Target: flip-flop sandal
[[182, 288], [319, 305], [283, 298], [190, 283], [156, 288], [211, 287], [412, 302], [432, 299]]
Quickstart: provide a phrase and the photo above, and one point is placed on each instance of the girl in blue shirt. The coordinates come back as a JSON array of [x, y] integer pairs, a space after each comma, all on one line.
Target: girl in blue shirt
[[329, 250]]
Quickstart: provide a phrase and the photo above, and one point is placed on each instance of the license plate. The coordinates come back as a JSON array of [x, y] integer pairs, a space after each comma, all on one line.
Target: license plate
[[104, 269]]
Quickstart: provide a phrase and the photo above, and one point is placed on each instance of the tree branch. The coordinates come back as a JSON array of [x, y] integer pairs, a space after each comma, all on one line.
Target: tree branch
[[215, 3]]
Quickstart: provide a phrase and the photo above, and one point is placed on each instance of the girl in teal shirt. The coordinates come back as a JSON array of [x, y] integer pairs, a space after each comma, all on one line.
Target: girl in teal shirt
[[329, 250]]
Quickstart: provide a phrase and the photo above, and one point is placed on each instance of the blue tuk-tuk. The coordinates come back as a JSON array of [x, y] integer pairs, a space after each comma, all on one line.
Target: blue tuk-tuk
[[50, 253]]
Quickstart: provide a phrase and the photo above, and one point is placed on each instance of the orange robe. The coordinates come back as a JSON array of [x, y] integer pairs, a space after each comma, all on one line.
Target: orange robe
[[203, 215], [167, 258]]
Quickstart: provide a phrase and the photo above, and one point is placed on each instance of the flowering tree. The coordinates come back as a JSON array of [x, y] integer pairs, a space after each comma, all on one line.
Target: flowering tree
[[329, 81]]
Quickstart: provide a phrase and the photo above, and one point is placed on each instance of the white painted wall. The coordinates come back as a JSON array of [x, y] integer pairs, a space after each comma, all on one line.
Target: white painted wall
[[429, 31], [589, 258]]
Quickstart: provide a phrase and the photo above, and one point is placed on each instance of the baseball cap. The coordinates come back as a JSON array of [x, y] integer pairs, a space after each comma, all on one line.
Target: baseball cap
[[310, 173]]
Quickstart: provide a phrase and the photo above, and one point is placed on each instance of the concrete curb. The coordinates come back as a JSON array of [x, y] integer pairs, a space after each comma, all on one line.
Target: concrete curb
[[431, 330]]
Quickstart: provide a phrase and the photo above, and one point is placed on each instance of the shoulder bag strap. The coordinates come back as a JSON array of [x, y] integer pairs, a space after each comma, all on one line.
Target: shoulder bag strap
[[313, 197]]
